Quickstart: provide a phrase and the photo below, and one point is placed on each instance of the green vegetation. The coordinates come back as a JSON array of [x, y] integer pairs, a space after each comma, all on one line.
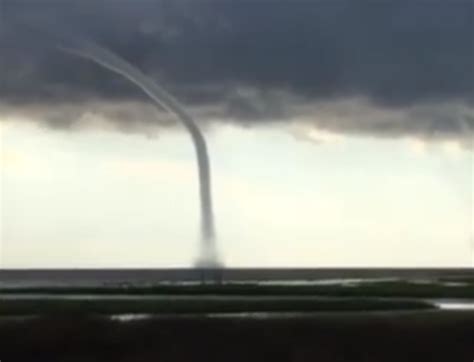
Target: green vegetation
[[200, 305], [229, 298], [460, 279], [389, 289]]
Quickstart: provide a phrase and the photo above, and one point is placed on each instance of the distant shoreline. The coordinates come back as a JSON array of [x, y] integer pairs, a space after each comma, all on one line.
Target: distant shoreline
[[136, 276]]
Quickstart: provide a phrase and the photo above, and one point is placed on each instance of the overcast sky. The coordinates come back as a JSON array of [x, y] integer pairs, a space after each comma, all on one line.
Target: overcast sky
[[340, 133]]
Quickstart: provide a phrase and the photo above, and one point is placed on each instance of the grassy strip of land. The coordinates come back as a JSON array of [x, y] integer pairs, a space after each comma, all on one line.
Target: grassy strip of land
[[464, 279], [388, 289], [202, 304]]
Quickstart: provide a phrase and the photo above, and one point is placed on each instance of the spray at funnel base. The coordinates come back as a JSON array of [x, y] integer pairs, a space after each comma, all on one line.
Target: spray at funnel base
[[111, 61]]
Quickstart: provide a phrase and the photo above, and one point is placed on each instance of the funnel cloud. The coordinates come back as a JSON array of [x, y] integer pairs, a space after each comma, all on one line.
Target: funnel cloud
[[381, 90], [111, 61]]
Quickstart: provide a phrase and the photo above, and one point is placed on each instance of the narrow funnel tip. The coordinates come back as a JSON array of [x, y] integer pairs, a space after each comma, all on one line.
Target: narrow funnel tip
[[210, 270], [208, 257]]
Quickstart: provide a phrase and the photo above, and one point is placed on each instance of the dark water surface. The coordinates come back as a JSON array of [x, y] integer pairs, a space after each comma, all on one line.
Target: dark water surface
[[336, 337]]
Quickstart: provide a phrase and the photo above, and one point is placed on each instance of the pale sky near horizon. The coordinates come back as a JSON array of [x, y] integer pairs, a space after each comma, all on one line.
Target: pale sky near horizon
[[340, 132], [102, 198]]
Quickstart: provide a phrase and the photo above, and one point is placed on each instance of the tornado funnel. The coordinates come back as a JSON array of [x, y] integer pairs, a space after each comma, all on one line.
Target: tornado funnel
[[86, 49]]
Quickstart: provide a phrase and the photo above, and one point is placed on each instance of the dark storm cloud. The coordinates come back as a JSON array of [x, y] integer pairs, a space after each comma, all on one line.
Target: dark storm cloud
[[250, 61]]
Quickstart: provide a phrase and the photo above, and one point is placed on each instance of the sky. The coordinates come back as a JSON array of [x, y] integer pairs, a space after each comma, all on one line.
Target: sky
[[339, 133]]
